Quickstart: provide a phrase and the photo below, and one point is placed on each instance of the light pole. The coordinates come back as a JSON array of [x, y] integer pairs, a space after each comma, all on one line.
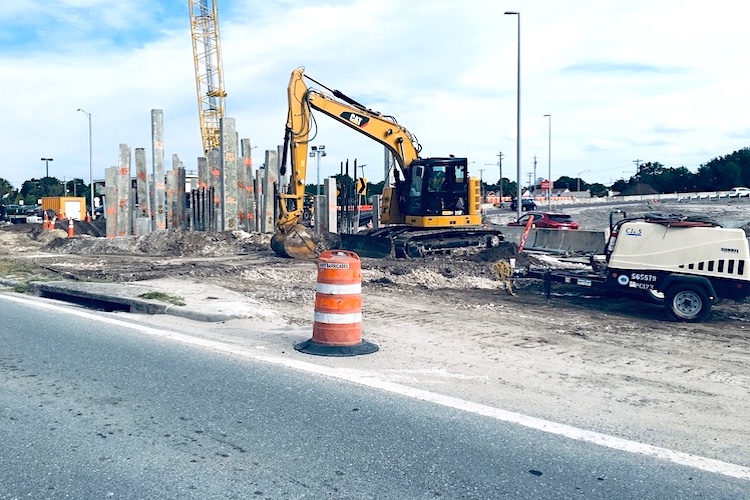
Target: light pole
[[518, 115], [481, 184], [46, 165], [319, 151], [91, 163], [578, 189], [549, 162]]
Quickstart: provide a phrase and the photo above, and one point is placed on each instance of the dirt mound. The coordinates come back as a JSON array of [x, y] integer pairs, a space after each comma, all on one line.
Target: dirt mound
[[162, 244]]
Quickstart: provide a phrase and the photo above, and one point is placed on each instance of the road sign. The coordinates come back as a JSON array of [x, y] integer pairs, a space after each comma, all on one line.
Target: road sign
[[545, 184], [361, 185]]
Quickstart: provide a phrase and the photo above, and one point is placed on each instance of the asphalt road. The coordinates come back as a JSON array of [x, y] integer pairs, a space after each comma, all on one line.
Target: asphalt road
[[91, 409]]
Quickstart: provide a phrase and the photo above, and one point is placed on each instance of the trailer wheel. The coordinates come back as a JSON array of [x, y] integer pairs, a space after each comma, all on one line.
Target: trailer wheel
[[687, 302]]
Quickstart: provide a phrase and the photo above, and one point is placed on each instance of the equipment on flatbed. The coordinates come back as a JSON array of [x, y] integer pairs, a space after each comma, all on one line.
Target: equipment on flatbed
[[433, 207], [686, 263]]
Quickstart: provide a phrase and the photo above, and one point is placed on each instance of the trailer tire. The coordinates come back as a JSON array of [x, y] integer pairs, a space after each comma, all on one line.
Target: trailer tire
[[687, 302]]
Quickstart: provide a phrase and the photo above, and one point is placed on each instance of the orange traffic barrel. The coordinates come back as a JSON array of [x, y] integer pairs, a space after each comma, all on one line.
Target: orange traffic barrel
[[337, 329]]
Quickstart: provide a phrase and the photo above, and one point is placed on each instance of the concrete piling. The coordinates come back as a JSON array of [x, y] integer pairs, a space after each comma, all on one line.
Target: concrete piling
[[143, 211], [226, 195], [229, 154], [123, 192], [178, 203], [250, 198], [157, 152], [270, 185], [110, 186], [171, 183]]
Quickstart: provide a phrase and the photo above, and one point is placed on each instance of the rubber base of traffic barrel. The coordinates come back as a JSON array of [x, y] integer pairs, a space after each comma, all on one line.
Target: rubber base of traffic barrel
[[318, 349]]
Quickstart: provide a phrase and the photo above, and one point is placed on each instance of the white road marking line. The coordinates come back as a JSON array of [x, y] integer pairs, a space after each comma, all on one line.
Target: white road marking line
[[370, 380]]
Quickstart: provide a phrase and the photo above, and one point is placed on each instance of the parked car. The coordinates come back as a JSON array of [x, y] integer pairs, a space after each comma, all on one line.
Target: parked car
[[739, 191], [35, 210], [526, 204], [14, 213], [547, 220]]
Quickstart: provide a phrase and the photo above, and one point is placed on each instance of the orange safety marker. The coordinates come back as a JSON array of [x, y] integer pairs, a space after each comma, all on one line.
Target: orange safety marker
[[45, 224], [337, 329], [71, 228], [529, 225]]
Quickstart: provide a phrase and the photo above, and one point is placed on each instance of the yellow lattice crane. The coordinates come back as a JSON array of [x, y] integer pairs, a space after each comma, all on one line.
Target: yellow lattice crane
[[209, 79]]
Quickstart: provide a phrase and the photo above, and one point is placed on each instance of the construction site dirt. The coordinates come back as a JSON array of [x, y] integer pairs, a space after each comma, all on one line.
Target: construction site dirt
[[450, 325]]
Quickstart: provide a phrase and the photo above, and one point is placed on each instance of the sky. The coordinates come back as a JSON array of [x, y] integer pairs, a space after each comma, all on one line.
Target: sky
[[623, 81]]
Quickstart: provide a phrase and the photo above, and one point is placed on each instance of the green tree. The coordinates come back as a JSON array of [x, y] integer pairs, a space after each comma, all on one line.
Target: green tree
[[725, 172], [8, 193], [571, 183], [5, 187], [34, 189], [597, 189]]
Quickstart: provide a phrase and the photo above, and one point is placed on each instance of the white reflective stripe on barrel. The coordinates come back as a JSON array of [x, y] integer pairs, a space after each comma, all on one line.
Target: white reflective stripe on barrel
[[330, 289], [338, 319]]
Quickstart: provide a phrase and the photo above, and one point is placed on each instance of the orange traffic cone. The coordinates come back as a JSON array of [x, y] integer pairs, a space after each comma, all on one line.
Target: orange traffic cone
[[71, 228], [45, 224], [337, 329]]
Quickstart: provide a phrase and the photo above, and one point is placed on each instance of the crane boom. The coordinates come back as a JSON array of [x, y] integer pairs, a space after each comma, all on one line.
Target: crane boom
[[209, 79]]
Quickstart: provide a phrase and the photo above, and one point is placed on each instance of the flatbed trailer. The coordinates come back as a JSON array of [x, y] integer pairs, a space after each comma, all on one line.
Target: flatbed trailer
[[582, 278]]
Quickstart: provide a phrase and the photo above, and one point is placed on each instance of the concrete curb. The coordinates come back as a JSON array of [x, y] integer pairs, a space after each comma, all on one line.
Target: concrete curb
[[116, 296]]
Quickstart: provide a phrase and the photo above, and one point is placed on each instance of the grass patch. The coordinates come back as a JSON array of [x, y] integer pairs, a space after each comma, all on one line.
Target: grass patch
[[10, 268], [163, 297], [21, 288]]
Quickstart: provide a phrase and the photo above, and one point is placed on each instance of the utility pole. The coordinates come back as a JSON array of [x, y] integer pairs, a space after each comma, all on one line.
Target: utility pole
[[637, 167], [500, 164], [534, 186]]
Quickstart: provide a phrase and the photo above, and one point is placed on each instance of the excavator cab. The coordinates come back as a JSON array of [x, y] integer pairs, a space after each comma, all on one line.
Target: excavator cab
[[437, 186]]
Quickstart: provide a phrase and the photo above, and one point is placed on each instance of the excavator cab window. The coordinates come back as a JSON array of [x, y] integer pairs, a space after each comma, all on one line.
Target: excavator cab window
[[438, 187], [459, 200], [415, 190], [436, 182]]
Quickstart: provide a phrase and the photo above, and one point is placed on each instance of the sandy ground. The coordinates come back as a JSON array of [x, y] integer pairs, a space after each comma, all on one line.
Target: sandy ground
[[447, 325]]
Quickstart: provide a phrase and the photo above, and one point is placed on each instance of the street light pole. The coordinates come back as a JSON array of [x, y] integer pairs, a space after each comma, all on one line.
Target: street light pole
[[549, 162], [481, 184], [91, 163], [46, 165], [319, 151], [518, 115], [500, 187]]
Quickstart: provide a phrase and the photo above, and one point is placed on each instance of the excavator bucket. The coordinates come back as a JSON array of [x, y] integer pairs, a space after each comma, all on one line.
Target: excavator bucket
[[294, 242]]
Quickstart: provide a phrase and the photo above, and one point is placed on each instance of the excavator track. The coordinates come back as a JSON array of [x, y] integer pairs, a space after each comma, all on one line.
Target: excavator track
[[414, 243]]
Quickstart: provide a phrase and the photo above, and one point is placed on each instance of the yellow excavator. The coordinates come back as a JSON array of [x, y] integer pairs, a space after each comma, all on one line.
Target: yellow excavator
[[433, 206]]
